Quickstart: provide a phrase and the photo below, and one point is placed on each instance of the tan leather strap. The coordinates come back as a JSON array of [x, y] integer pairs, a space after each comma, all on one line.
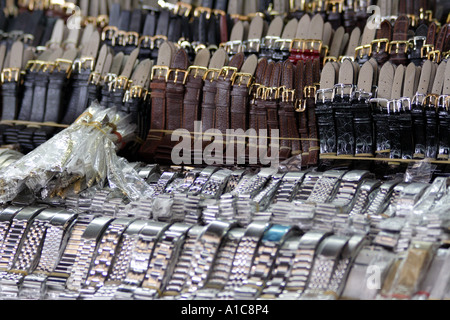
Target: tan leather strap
[[446, 86], [410, 81], [290, 30], [315, 31], [57, 34], [328, 76], [353, 42], [397, 85], [336, 43], [365, 79], [386, 80], [303, 28], [116, 65], [439, 79], [141, 73], [424, 81]]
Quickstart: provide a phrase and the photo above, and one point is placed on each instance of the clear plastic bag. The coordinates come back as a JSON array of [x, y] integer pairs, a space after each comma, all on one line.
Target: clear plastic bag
[[85, 151]]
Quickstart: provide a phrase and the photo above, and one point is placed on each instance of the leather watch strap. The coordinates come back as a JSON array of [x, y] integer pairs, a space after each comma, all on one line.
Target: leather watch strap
[[290, 142], [398, 47], [208, 106], [175, 91], [158, 87], [380, 46], [193, 89], [381, 125], [342, 109], [240, 94], [223, 92]]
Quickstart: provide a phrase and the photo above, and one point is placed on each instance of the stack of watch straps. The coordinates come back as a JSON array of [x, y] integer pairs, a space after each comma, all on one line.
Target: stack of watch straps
[[56, 235], [158, 86], [163, 261], [85, 255], [263, 262], [140, 258], [243, 258]]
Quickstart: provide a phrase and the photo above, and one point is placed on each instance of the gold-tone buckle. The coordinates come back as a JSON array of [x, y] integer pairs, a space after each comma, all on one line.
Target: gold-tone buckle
[[271, 93], [183, 8], [335, 5], [10, 74], [359, 51], [434, 55], [95, 78], [196, 71], [136, 91], [240, 77], [109, 32], [79, 63], [120, 38], [200, 10], [121, 82], [378, 43], [157, 40], [177, 72], [132, 38], [406, 44], [300, 105], [145, 42], [214, 72], [308, 90], [287, 95], [445, 55], [90, 20], [225, 71], [161, 69], [426, 49], [34, 65]]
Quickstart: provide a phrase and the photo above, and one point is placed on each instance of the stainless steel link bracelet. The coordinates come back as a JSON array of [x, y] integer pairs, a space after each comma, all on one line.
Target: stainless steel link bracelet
[[85, 255], [140, 258], [56, 282], [298, 276], [244, 257], [180, 273], [163, 261], [263, 261]]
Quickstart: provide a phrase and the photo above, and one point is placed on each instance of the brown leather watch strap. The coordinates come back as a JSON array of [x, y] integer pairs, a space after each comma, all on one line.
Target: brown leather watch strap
[[240, 94], [290, 139], [380, 46], [223, 91], [312, 69], [256, 94], [158, 87], [208, 106], [398, 47], [193, 89], [271, 99], [175, 90], [441, 37], [300, 75], [260, 104]]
